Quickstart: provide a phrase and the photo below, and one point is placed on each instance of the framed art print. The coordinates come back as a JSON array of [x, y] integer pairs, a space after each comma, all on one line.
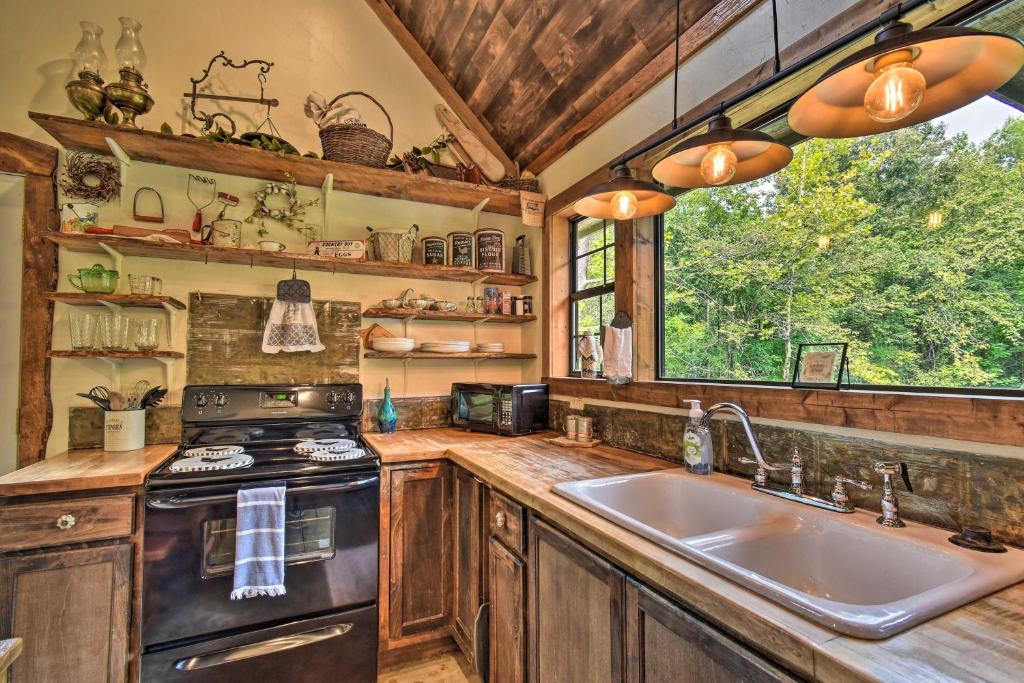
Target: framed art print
[[821, 366]]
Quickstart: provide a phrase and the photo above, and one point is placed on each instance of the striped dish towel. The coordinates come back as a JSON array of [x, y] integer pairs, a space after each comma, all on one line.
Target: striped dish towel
[[259, 543]]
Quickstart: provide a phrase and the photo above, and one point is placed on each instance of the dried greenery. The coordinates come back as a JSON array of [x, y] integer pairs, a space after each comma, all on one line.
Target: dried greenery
[[90, 177]]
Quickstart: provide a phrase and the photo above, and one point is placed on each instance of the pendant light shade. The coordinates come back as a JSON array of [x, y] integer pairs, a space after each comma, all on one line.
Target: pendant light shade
[[624, 197], [905, 78], [722, 156]]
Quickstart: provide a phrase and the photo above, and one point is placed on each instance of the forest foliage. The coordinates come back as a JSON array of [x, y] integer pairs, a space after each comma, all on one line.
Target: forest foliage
[[838, 247]]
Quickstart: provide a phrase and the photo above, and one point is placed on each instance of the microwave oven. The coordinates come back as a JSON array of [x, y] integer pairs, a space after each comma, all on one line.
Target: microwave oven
[[500, 408]]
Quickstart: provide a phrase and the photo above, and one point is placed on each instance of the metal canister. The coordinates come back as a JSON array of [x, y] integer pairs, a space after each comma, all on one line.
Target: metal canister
[[527, 305], [584, 428], [571, 427]]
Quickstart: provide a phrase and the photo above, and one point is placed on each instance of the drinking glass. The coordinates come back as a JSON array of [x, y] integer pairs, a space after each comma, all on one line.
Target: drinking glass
[[145, 284], [83, 330], [113, 331], [147, 335]]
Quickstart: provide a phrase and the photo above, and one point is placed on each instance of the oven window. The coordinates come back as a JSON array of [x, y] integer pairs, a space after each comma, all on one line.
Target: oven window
[[308, 537], [476, 407]]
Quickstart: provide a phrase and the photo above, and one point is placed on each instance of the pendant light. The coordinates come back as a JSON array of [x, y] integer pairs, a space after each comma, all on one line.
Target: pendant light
[[725, 155], [905, 78], [625, 196]]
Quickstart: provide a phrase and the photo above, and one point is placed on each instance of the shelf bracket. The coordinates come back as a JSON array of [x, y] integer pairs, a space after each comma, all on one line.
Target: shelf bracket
[[326, 189], [124, 161], [172, 322], [118, 259], [116, 309], [475, 211], [168, 364], [115, 371]]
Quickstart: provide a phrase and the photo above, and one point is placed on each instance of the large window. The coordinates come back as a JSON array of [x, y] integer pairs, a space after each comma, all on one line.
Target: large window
[[592, 280], [908, 245]]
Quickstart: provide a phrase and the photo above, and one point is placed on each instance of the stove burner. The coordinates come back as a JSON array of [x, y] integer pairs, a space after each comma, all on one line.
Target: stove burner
[[204, 463], [324, 445], [214, 450], [331, 456]]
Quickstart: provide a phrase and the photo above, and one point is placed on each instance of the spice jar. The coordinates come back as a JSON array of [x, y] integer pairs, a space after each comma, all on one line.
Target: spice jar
[[491, 300]]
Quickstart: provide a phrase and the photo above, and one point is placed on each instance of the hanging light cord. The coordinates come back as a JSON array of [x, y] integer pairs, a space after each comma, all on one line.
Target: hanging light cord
[[775, 35], [675, 72]]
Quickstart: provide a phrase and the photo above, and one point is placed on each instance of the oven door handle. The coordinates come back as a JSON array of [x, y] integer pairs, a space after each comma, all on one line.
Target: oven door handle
[[180, 502], [263, 648]]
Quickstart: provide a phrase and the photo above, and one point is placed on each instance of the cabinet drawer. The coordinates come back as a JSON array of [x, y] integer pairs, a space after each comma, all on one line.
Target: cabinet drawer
[[505, 521], [36, 525]]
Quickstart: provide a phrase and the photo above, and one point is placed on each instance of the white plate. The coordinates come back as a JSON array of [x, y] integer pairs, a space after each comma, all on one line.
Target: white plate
[[393, 344]]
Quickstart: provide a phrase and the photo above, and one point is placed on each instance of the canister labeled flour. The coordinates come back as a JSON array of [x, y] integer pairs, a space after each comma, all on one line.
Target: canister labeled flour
[[490, 250]]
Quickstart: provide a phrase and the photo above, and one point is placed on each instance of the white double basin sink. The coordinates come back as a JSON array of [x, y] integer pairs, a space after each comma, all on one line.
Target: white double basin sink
[[843, 571]]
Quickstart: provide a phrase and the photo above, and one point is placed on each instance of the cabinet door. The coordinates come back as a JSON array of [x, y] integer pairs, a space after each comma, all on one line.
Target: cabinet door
[[71, 609], [420, 544], [575, 620], [507, 584], [468, 557], [667, 644]]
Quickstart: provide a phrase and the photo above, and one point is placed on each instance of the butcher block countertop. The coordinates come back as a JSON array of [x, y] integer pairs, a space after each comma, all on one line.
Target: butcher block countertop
[[85, 470], [983, 641]]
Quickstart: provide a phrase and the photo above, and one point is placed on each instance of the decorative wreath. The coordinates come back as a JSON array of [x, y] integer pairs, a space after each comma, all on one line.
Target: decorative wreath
[[90, 177], [280, 202]]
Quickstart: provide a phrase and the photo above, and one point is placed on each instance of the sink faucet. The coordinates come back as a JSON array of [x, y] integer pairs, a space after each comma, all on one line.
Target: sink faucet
[[705, 422], [890, 516]]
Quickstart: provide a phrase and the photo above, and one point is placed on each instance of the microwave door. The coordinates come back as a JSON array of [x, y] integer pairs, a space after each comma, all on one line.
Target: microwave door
[[477, 408]]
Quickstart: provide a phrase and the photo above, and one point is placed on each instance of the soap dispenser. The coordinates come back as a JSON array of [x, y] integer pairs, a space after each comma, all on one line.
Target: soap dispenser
[[697, 454]]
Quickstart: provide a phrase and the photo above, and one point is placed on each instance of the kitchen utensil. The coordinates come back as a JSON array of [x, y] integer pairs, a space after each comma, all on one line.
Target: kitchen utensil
[[138, 390], [271, 245], [77, 217], [113, 332], [153, 397], [117, 401], [95, 280], [147, 218], [394, 344], [489, 164], [202, 185], [147, 334], [180, 235], [445, 306], [97, 395], [145, 284], [83, 330]]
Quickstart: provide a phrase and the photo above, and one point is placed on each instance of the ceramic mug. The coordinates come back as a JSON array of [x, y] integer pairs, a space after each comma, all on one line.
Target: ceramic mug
[[271, 245]]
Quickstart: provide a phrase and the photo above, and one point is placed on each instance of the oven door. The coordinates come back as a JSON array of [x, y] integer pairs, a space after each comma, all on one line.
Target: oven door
[[331, 532], [475, 409]]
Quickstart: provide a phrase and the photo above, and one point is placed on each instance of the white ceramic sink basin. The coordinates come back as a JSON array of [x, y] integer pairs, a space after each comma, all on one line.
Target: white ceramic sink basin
[[841, 570]]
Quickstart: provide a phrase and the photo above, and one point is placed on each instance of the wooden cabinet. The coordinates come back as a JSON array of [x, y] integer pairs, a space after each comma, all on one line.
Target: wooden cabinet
[[62, 522], [507, 628], [468, 557], [575, 614], [71, 608], [666, 644], [417, 562]]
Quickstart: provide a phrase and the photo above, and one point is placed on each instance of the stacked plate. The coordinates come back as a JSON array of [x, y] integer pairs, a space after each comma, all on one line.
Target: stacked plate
[[314, 446], [445, 346], [393, 344], [491, 347]]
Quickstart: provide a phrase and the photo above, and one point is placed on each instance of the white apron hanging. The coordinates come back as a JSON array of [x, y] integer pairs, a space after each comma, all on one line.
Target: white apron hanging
[[291, 325]]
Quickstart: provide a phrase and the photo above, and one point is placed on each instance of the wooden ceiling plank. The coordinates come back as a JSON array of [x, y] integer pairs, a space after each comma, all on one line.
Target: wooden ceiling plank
[[469, 38], [448, 32], [490, 48], [438, 80], [696, 37]]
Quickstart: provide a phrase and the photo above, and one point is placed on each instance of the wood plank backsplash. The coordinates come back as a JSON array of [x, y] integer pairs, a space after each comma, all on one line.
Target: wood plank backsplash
[[225, 338]]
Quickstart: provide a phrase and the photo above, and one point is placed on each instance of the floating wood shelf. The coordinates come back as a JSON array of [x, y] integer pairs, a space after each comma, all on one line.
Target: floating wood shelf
[[254, 257], [427, 355], [453, 316], [102, 353], [130, 300], [219, 157]]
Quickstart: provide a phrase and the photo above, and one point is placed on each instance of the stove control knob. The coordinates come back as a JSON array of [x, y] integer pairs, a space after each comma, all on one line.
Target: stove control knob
[[348, 398], [220, 400], [201, 400], [333, 398]]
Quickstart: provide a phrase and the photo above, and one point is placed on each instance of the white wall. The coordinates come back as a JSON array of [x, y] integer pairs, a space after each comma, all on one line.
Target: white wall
[[12, 199]]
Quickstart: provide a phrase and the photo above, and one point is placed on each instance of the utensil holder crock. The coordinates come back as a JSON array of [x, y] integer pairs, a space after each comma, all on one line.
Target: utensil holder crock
[[124, 430]]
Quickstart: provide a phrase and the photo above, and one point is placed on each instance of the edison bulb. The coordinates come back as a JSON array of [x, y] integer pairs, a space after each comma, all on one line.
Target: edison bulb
[[719, 165], [896, 92], [624, 205]]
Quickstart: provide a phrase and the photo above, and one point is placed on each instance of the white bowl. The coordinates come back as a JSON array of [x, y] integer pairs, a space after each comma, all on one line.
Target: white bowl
[[394, 344]]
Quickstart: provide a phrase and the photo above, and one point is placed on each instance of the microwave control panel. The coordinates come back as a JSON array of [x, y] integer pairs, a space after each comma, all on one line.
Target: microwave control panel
[[505, 417]]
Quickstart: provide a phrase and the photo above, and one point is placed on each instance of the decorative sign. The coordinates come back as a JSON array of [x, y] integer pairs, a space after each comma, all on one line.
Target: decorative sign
[[346, 249], [821, 366]]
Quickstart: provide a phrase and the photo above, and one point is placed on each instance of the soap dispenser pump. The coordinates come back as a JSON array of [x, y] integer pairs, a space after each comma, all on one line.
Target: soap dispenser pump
[[697, 453]]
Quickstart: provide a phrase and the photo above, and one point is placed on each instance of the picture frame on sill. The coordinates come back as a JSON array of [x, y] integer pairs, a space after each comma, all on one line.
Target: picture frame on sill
[[821, 366]]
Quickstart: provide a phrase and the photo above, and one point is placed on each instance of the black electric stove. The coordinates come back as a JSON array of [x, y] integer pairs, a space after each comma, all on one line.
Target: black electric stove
[[267, 421]]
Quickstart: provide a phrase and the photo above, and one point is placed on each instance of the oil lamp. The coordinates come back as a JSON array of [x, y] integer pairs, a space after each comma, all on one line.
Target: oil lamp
[[130, 94], [86, 92]]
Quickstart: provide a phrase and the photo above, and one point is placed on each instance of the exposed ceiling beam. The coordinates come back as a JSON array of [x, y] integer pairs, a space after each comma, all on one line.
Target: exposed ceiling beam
[[448, 93], [718, 19], [840, 25]]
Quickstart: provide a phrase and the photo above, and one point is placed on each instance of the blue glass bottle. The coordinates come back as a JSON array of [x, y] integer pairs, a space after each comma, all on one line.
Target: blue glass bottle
[[387, 416]]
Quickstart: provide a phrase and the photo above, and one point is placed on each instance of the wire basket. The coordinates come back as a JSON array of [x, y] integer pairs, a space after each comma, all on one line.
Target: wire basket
[[355, 143], [391, 245]]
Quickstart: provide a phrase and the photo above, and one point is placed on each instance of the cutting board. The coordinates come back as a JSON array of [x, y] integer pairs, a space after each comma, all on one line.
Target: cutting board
[[488, 164]]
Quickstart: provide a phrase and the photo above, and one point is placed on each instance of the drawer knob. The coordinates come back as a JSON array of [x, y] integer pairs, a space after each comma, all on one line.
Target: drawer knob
[[66, 521], [499, 520]]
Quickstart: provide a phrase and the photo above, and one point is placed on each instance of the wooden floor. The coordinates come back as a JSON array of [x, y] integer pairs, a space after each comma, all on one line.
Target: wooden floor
[[445, 668]]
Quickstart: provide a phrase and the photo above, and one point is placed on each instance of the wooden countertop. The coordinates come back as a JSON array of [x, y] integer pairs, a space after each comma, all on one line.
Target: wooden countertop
[[85, 469], [983, 641]]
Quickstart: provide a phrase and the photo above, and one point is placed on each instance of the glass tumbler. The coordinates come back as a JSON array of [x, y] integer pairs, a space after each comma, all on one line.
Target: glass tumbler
[[83, 330], [113, 332], [147, 335]]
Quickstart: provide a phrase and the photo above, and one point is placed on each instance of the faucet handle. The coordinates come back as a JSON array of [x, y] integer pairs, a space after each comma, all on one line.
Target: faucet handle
[[894, 469], [761, 476], [839, 495]]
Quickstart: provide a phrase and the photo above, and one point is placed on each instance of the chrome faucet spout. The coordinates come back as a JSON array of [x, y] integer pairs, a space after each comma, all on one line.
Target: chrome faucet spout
[[705, 421]]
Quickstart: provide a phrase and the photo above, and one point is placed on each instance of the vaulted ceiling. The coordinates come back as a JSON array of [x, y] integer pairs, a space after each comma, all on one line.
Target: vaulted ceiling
[[531, 70]]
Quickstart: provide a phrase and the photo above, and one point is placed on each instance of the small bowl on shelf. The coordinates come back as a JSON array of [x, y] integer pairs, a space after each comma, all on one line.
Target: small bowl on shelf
[[394, 344], [444, 306]]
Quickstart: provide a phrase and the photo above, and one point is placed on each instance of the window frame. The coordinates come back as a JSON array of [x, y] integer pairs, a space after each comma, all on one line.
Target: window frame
[[577, 295]]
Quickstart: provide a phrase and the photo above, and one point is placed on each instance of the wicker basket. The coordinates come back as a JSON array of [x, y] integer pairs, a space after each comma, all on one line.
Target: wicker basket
[[354, 143], [521, 184]]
